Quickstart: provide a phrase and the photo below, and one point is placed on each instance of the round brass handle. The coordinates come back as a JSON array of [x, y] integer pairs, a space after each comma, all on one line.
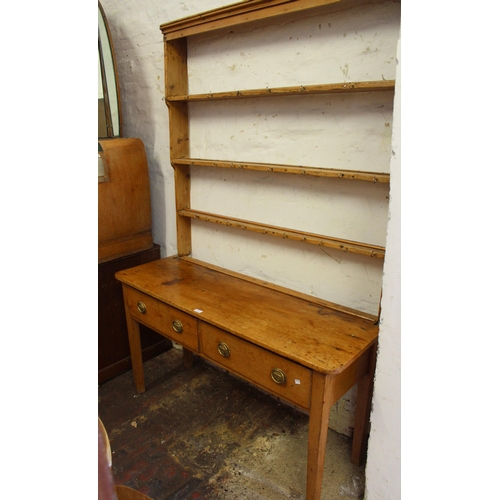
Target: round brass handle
[[223, 349], [142, 307], [278, 375], [177, 326]]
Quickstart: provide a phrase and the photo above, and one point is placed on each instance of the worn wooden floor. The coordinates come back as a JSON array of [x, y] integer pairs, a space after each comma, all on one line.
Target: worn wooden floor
[[204, 434]]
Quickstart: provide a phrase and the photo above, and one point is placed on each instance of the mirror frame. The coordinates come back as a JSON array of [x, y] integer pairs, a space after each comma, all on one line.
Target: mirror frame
[[112, 129]]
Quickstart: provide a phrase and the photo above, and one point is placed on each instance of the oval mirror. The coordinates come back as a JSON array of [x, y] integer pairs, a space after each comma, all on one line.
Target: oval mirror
[[108, 100]]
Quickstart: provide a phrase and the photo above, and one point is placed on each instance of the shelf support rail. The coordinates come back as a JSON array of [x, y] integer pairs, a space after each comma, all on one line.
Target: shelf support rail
[[292, 234]]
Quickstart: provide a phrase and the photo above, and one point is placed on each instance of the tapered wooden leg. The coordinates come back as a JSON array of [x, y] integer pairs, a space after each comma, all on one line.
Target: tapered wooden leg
[[188, 357], [134, 339], [363, 409], [318, 431]]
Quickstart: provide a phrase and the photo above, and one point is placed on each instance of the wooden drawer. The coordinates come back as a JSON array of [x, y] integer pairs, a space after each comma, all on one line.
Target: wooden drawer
[[168, 321], [257, 364]]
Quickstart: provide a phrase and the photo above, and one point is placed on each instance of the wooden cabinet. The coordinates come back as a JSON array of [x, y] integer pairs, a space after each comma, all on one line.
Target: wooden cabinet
[[124, 199], [306, 350], [124, 240]]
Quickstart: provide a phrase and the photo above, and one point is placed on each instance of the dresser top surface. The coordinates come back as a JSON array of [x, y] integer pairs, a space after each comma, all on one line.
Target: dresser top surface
[[315, 336]]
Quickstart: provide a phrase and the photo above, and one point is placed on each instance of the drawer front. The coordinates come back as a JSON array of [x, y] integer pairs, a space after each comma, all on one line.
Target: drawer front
[[170, 322], [270, 371]]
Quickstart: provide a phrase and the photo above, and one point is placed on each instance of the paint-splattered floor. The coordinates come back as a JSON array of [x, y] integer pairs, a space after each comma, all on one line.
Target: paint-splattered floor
[[201, 433]]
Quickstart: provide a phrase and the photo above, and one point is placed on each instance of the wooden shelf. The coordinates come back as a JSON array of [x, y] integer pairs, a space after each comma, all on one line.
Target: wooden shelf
[[333, 88], [287, 169], [292, 234]]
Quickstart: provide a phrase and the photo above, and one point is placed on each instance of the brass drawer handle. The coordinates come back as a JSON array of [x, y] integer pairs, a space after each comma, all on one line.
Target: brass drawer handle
[[223, 349], [142, 307], [177, 326], [278, 375]]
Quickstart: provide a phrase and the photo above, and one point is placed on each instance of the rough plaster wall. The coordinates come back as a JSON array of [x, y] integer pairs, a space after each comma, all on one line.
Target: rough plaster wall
[[354, 52], [292, 130], [383, 469]]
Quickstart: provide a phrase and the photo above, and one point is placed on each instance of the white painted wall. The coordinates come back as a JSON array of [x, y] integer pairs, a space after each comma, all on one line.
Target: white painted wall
[[348, 131], [383, 468]]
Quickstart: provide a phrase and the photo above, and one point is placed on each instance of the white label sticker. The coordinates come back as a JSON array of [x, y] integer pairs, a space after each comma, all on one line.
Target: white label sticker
[[198, 311], [297, 381]]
